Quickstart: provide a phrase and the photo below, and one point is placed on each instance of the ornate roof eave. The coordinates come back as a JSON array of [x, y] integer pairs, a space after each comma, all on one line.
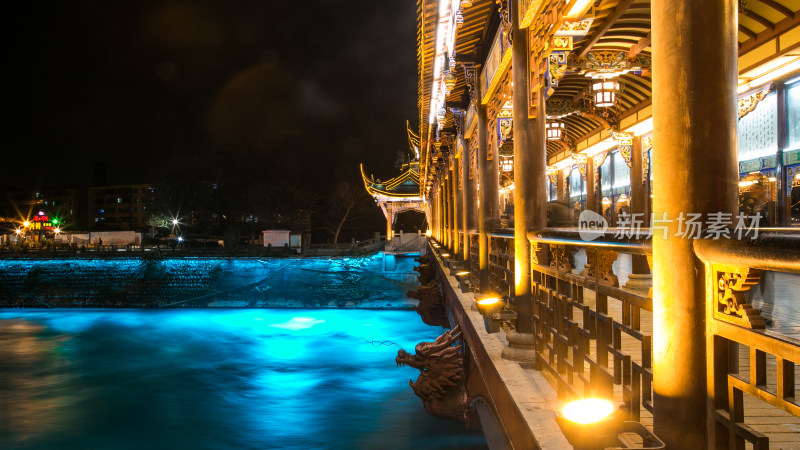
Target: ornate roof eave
[[386, 189]]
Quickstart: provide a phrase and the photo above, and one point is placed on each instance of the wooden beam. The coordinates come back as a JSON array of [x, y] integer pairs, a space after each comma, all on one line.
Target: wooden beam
[[747, 32], [778, 7], [641, 45], [763, 21], [780, 27], [612, 19]]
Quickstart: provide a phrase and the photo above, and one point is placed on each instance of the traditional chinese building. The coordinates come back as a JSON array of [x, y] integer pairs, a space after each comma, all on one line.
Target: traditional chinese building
[[609, 169], [397, 195]]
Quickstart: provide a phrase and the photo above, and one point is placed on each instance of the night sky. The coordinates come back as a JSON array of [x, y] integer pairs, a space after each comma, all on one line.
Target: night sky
[[301, 91]]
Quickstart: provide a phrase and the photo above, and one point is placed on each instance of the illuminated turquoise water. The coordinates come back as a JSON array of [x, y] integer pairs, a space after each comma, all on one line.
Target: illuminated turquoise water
[[205, 379]]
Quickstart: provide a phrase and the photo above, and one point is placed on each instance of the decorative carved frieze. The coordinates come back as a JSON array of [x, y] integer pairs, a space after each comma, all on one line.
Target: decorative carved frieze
[[471, 78], [728, 299], [749, 103], [606, 63], [647, 145], [625, 142]]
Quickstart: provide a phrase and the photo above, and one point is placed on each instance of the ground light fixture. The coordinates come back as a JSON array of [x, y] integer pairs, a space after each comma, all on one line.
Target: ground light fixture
[[596, 423], [493, 312], [463, 280]]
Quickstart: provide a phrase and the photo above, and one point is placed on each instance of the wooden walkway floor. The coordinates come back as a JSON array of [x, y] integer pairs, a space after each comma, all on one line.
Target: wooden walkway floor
[[779, 297]]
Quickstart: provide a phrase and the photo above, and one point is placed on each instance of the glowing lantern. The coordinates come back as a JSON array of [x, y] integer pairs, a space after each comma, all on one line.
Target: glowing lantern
[[459, 19], [554, 129], [465, 4], [604, 93], [449, 80]]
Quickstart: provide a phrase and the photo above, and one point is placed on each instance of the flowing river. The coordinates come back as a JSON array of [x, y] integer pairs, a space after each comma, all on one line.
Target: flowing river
[[215, 379]]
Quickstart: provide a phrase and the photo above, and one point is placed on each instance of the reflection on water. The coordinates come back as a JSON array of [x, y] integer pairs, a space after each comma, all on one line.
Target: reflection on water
[[205, 379]]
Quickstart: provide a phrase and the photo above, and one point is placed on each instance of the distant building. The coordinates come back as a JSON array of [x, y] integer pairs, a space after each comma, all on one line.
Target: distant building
[[124, 207]]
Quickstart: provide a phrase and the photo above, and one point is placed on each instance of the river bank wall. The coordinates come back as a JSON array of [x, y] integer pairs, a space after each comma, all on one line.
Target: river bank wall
[[377, 281]]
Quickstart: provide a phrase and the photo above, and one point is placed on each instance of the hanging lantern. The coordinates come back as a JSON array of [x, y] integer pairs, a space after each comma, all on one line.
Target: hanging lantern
[[604, 93], [465, 4], [554, 129], [459, 19], [441, 115], [452, 62], [507, 164], [449, 81]]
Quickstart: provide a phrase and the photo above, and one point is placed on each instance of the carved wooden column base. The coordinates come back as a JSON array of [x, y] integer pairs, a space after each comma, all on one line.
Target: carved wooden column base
[[641, 282], [520, 347]]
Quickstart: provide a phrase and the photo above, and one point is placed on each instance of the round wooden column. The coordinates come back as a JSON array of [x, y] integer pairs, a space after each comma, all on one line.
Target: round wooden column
[[530, 203], [489, 202], [466, 197], [694, 119]]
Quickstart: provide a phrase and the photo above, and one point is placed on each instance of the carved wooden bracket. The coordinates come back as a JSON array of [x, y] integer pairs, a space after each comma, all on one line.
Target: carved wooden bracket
[[605, 268], [540, 254], [599, 266], [560, 258], [728, 295]]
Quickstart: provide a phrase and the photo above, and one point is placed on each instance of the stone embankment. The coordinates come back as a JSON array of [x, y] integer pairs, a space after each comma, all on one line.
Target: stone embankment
[[343, 282]]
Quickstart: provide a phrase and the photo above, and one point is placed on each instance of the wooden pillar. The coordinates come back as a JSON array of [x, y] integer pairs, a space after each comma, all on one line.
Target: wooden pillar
[[488, 206], [455, 174], [695, 171], [561, 194], [783, 207], [448, 211], [389, 220], [638, 194], [467, 195], [530, 159], [591, 193]]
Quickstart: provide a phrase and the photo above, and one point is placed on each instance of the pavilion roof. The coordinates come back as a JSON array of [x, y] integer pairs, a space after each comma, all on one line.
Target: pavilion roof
[[404, 185]]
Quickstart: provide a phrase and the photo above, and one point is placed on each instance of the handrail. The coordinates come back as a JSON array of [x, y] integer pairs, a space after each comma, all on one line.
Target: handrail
[[505, 233], [773, 249], [607, 240]]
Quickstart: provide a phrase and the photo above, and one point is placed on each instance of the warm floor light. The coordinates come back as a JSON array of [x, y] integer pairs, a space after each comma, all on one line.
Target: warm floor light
[[588, 410], [428, 233], [462, 273], [445, 255]]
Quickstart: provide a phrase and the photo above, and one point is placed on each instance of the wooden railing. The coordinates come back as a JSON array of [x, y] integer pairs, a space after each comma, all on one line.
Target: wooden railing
[[474, 264], [749, 357], [501, 262], [592, 336]]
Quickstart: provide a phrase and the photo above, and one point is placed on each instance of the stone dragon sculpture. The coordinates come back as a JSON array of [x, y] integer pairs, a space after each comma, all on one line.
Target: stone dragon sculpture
[[440, 384], [431, 302]]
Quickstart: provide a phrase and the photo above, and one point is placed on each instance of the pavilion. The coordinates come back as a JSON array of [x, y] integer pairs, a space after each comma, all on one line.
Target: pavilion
[[675, 127]]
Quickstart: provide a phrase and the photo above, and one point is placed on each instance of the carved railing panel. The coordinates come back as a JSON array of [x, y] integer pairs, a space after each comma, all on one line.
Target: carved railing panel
[[474, 264], [592, 337], [745, 355], [501, 264]]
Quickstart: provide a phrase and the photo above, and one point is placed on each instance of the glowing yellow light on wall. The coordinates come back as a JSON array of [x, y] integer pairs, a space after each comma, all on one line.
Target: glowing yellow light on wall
[[588, 410], [428, 233]]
